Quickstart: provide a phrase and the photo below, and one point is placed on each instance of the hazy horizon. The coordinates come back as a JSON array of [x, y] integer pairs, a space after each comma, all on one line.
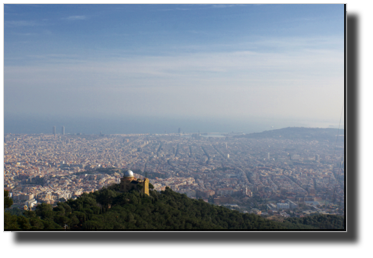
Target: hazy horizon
[[197, 67], [145, 125]]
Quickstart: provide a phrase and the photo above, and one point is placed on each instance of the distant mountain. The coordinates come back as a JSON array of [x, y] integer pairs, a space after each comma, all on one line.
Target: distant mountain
[[299, 133]]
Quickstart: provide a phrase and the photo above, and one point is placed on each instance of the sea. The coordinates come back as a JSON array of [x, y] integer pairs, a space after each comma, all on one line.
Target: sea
[[147, 125]]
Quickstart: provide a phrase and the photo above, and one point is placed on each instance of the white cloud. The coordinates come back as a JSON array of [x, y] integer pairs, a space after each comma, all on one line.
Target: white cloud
[[224, 5], [76, 17], [297, 82], [20, 23], [237, 84], [23, 34]]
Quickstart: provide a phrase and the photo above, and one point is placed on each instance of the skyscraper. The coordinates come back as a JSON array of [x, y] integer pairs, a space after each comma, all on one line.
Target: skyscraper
[[54, 130], [63, 130]]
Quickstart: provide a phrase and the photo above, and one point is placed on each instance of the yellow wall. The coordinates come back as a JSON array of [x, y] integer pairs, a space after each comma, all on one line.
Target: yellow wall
[[146, 186]]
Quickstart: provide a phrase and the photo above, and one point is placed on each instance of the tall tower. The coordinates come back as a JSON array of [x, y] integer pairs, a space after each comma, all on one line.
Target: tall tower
[[146, 186], [54, 130], [179, 130], [269, 156], [63, 130]]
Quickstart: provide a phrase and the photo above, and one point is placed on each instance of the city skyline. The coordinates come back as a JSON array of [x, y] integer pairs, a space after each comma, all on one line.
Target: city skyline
[[242, 62], [295, 168]]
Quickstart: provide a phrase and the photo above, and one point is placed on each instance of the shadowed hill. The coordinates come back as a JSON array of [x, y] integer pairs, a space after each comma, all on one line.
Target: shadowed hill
[[111, 209]]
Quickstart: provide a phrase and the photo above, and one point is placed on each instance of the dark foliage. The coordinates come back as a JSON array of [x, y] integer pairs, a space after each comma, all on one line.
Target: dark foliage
[[320, 221], [110, 209], [7, 200]]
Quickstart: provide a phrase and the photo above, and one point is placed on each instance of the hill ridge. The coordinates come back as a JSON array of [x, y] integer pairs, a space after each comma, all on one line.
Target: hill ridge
[[111, 209]]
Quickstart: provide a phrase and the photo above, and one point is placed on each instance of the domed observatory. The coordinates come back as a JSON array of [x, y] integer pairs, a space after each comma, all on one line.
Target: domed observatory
[[128, 176], [128, 181]]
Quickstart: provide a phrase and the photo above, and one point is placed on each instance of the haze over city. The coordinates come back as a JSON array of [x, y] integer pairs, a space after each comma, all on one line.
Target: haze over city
[[174, 117], [160, 67]]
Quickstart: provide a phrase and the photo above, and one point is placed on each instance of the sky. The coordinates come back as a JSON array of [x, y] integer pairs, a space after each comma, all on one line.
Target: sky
[[237, 62]]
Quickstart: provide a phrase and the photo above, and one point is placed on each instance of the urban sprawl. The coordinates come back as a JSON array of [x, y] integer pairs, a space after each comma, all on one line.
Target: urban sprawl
[[270, 177]]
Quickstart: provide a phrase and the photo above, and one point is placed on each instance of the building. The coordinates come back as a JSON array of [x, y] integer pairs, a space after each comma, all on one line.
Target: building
[[292, 205], [256, 211], [63, 130], [221, 200], [31, 203], [191, 193], [128, 182], [281, 205], [248, 192], [225, 191], [295, 157], [205, 194], [48, 196], [312, 203], [54, 130]]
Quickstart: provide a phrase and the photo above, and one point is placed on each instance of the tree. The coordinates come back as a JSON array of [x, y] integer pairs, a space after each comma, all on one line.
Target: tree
[[74, 221], [96, 209], [23, 222], [29, 214], [50, 224], [59, 210], [65, 206], [91, 225], [80, 215], [61, 220], [44, 210], [10, 222], [106, 197], [36, 223], [7, 200]]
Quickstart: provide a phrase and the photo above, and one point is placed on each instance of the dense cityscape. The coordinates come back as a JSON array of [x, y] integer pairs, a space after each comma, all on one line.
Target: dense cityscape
[[174, 117], [272, 175]]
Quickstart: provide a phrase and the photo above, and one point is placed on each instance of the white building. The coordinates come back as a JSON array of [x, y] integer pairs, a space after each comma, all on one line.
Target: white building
[[292, 205], [31, 203], [282, 205]]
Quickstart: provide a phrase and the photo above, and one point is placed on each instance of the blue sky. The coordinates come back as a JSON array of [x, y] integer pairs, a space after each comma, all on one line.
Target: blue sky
[[236, 61]]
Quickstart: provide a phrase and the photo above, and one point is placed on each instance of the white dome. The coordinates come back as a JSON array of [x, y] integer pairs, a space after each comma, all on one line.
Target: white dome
[[128, 173]]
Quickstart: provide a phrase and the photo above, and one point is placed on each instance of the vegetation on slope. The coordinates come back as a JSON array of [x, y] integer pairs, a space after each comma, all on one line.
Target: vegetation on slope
[[319, 221], [110, 209]]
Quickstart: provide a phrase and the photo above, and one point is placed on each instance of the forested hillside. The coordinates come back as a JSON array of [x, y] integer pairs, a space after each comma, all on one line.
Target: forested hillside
[[110, 209]]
